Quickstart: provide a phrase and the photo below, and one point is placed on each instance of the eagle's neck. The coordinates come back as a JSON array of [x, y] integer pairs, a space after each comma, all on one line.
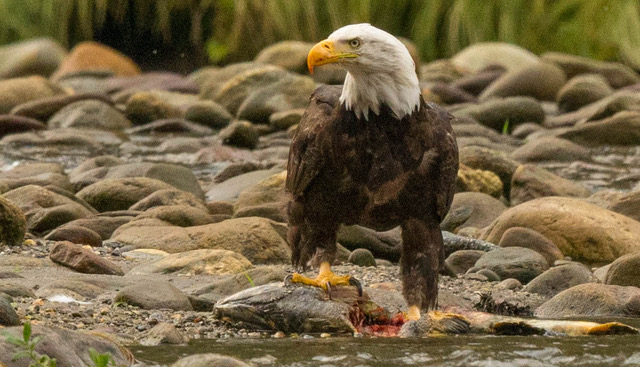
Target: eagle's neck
[[368, 92]]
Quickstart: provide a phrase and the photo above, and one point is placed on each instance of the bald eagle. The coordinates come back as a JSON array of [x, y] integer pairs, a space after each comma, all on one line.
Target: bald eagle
[[373, 153]]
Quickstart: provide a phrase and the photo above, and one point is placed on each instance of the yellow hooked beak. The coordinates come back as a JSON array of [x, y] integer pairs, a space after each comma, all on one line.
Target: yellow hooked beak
[[325, 52]]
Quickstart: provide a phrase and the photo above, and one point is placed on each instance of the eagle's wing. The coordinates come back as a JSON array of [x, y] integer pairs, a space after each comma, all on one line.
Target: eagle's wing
[[447, 165], [306, 153]]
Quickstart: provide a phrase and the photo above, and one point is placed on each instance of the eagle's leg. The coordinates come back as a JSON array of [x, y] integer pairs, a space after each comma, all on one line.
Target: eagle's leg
[[321, 243], [422, 259]]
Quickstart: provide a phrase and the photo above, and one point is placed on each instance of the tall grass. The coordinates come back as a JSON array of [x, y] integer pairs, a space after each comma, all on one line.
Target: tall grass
[[238, 29]]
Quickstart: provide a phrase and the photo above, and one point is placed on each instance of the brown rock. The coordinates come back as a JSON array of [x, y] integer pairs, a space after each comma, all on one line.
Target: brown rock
[[540, 80], [617, 74], [550, 148], [11, 124], [120, 194], [530, 182], [96, 56], [528, 238], [16, 91], [592, 299], [559, 278], [478, 181], [627, 204], [44, 209], [462, 260], [583, 231], [624, 271], [14, 224], [75, 234], [472, 209], [81, 260]]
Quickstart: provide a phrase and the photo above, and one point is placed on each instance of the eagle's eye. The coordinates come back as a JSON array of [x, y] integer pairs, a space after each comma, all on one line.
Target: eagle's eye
[[355, 43]]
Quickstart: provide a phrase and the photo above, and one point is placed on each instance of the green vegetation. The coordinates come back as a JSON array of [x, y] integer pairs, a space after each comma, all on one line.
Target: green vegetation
[[28, 350], [237, 29], [249, 279], [28, 346], [101, 360]]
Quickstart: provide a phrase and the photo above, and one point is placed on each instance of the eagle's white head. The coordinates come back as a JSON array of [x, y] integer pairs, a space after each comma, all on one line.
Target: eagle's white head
[[380, 69]]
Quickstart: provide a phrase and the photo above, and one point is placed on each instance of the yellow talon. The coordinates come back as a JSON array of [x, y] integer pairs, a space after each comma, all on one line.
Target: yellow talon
[[326, 279]]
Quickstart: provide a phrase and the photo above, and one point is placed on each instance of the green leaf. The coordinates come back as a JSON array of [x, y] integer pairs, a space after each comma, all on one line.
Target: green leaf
[[26, 331], [20, 355]]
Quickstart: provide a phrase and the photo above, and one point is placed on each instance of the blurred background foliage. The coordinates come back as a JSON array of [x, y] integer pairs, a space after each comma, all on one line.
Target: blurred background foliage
[[221, 31]]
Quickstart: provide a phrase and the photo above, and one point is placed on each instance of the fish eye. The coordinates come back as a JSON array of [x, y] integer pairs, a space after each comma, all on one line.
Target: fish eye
[[355, 43]]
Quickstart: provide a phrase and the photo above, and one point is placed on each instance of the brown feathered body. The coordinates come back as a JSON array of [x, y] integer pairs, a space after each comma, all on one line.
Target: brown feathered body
[[379, 173]]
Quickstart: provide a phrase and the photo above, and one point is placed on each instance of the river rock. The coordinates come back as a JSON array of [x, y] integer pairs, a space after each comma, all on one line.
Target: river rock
[[90, 55], [208, 113], [291, 55], [444, 93], [40, 174], [496, 112], [169, 197], [362, 257], [559, 278], [443, 71], [163, 333], [35, 56], [476, 180], [15, 289], [514, 262], [16, 91], [89, 113], [234, 91], [616, 74], [209, 360], [541, 80], [291, 92], [172, 126], [476, 83], [68, 347], [11, 124], [196, 262], [384, 245], [258, 239], [177, 176], [480, 55], [145, 107], [472, 209], [82, 260], [75, 234], [230, 189], [121, 88], [240, 134], [624, 271], [227, 285], [269, 190], [8, 316], [528, 238], [582, 90], [44, 209], [58, 141], [462, 260], [490, 160], [103, 224], [175, 215], [620, 101], [550, 148], [583, 231], [530, 182], [154, 295], [211, 79], [285, 119], [14, 223], [623, 128], [592, 299], [119, 193], [627, 204]]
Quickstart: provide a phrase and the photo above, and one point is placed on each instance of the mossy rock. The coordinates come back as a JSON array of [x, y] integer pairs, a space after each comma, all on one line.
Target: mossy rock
[[13, 224]]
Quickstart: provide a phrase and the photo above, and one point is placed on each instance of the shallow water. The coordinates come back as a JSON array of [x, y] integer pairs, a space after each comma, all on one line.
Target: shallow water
[[472, 350]]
